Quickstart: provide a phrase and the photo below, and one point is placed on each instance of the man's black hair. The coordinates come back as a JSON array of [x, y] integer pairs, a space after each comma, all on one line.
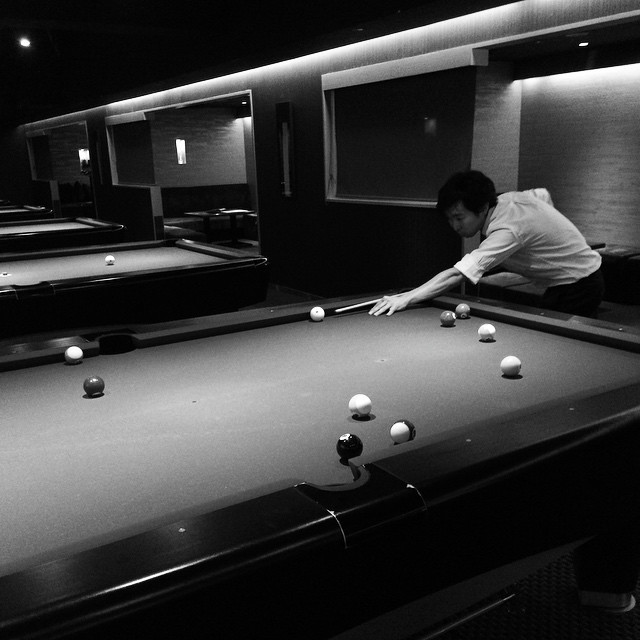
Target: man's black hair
[[472, 188]]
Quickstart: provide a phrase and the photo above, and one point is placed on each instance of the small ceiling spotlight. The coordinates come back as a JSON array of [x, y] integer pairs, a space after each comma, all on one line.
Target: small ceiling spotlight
[[24, 42]]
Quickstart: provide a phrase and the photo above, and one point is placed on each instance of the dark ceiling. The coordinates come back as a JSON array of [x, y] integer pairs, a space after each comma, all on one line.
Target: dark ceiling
[[87, 53]]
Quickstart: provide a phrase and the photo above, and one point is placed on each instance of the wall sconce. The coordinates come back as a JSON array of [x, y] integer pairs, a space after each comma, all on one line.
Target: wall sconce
[[181, 151], [85, 161]]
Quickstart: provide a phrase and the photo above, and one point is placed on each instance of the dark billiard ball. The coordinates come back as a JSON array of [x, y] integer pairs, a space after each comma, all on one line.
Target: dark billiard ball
[[463, 311], [402, 431], [349, 446], [93, 386], [447, 318]]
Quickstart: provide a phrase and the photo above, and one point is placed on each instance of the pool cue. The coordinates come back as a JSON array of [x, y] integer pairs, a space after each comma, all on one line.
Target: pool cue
[[357, 306]]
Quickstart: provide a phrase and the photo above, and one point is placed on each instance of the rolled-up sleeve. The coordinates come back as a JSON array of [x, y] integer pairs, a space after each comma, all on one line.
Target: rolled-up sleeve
[[469, 268], [492, 251]]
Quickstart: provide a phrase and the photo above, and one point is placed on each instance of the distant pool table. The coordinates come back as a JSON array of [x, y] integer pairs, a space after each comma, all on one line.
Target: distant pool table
[[37, 235], [203, 488], [11, 212], [149, 282]]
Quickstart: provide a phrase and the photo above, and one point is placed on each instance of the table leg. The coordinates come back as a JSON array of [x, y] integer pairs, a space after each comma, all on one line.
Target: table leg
[[233, 229]]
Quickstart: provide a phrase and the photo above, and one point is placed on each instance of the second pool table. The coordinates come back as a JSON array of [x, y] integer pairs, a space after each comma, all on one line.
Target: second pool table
[[38, 235], [9, 213], [149, 282], [203, 489]]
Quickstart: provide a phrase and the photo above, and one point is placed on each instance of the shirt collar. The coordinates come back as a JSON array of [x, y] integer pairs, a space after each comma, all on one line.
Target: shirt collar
[[485, 226]]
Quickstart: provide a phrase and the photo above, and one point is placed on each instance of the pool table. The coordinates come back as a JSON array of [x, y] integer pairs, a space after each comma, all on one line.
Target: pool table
[[149, 282], [37, 235], [203, 487], [12, 212]]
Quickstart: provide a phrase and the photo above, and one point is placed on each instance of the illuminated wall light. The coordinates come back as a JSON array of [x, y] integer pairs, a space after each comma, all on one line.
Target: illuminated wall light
[[85, 161], [181, 151], [479, 20], [623, 73], [509, 13]]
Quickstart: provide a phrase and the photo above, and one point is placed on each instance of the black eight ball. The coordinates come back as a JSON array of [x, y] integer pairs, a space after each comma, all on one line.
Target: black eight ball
[[349, 446]]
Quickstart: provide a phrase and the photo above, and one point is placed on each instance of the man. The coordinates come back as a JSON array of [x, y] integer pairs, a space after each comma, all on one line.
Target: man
[[521, 231], [526, 234]]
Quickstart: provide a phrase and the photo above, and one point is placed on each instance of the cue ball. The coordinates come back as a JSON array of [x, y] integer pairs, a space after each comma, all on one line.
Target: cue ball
[[447, 318], [349, 446], [487, 333], [110, 260], [73, 355], [360, 404], [93, 386], [402, 431], [463, 311], [510, 366], [317, 314]]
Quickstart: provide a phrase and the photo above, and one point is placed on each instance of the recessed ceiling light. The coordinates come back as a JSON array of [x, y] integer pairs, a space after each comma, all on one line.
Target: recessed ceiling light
[[24, 42]]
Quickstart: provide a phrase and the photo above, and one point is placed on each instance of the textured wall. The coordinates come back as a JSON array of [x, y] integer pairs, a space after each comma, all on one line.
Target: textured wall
[[214, 142], [581, 139]]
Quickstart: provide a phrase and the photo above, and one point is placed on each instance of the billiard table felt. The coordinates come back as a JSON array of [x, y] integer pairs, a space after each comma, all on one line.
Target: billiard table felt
[[187, 427], [91, 265], [42, 227]]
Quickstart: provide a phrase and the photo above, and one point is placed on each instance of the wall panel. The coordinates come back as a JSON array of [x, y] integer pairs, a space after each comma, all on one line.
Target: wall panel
[[581, 140], [215, 147]]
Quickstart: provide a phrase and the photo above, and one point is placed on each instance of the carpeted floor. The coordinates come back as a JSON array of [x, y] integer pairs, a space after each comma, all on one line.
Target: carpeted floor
[[545, 607]]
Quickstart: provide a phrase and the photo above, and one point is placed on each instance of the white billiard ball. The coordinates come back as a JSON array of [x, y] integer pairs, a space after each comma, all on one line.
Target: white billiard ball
[[360, 405], [510, 366], [317, 314], [402, 431], [109, 260], [73, 355], [487, 333]]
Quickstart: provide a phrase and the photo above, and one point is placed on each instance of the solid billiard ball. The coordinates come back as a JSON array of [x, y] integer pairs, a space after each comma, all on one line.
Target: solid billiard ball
[[510, 366], [349, 446], [463, 311], [93, 386], [317, 314], [110, 260], [487, 333], [73, 355], [402, 431], [447, 318], [360, 405]]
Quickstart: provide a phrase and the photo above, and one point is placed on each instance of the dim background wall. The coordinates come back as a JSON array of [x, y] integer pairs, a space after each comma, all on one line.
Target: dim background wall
[[215, 148], [64, 143], [581, 139]]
